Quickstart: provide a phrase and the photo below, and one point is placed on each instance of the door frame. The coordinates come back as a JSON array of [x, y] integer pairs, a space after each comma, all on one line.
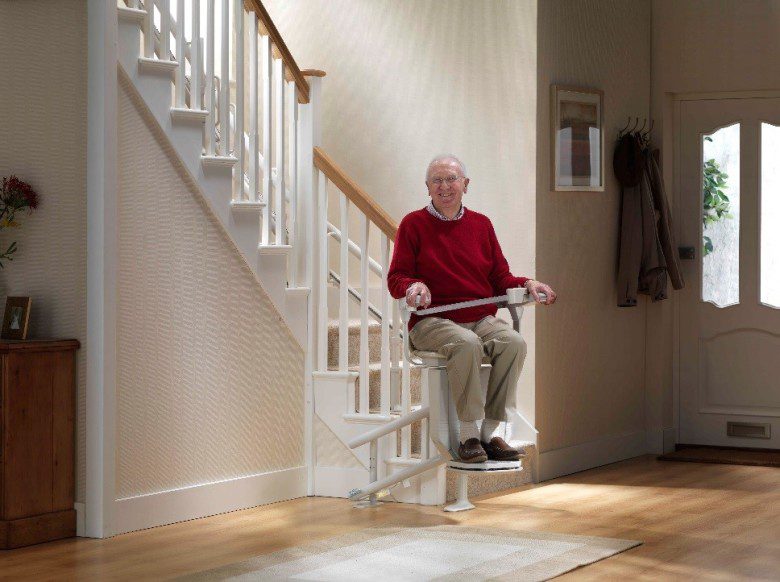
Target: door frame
[[676, 143]]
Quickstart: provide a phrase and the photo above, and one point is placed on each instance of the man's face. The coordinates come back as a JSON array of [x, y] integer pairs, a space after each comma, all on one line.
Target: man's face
[[445, 192]]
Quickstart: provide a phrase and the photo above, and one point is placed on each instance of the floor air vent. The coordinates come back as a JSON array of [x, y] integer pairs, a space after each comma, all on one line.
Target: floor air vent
[[751, 430]]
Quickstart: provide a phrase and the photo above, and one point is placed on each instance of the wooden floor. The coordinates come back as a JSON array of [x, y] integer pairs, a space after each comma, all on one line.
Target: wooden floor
[[697, 522]]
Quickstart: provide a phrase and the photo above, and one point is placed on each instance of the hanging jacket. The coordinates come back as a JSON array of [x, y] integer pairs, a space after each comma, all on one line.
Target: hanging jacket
[[647, 245]]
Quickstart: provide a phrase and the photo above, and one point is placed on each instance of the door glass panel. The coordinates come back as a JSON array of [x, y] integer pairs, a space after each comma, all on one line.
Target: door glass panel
[[770, 214], [720, 216]]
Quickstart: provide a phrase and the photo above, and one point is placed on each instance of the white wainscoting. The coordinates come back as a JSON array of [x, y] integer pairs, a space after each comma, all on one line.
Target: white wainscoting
[[165, 507], [585, 456]]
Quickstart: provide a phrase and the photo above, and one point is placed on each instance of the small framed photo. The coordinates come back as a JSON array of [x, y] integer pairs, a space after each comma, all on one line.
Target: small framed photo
[[16, 318], [577, 139]]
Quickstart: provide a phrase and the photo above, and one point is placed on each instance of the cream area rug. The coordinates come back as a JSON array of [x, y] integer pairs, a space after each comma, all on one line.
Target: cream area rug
[[449, 552]]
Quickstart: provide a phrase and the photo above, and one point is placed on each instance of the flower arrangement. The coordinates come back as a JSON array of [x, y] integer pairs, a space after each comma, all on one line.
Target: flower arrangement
[[16, 195]]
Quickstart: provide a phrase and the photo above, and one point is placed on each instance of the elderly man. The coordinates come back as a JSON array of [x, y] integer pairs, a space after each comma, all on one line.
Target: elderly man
[[446, 253]]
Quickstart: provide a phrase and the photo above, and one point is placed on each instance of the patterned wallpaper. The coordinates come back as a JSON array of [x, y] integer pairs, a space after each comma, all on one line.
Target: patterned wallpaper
[[43, 139], [210, 381]]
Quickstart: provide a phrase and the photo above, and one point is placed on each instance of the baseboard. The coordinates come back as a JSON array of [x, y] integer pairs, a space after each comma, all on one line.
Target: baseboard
[[670, 440], [661, 440], [338, 481], [81, 519], [145, 511], [585, 456]]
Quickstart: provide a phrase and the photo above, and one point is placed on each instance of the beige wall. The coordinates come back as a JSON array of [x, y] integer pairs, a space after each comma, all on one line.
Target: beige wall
[[43, 120], [590, 353], [409, 79], [700, 46], [209, 379]]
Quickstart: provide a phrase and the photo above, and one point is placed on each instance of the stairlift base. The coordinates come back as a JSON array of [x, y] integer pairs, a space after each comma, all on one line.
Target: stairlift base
[[462, 503]]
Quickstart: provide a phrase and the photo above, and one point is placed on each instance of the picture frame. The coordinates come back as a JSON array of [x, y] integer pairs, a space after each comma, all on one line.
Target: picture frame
[[16, 318], [577, 139]]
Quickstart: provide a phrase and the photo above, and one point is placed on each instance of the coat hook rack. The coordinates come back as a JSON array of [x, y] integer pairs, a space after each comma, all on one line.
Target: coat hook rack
[[643, 133]]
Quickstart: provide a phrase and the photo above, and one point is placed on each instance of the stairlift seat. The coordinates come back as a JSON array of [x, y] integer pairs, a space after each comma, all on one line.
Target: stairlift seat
[[437, 359]]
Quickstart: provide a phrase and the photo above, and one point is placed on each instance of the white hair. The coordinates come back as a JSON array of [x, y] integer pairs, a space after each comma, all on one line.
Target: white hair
[[445, 158]]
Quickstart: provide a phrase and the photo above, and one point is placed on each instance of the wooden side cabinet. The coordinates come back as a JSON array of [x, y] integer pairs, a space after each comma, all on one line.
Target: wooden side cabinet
[[37, 441]]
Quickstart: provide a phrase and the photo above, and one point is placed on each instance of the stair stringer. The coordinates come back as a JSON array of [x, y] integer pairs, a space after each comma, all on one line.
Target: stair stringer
[[213, 182]]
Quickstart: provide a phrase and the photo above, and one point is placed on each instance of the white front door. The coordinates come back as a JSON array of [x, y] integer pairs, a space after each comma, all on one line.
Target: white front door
[[729, 164]]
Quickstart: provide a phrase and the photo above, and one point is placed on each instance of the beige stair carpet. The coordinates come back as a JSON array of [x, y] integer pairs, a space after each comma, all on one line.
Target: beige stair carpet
[[448, 552]]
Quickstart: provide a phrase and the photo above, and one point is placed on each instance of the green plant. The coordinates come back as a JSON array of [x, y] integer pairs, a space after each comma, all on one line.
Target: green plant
[[15, 195], [716, 204]]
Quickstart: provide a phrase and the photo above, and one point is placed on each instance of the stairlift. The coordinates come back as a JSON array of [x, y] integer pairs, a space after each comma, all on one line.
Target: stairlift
[[443, 423]]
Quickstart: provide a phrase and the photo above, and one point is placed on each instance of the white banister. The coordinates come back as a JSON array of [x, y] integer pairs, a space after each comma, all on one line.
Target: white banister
[[322, 307], [195, 57], [210, 102], [364, 355], [238, 138], [343, 285], [385, 337], [165, 30], [181, 69], [254, 151], [279, 187], [267, 57], [224, 85]]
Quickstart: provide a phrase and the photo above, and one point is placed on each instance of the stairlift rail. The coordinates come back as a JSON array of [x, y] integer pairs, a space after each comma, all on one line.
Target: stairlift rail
[[392, 426]]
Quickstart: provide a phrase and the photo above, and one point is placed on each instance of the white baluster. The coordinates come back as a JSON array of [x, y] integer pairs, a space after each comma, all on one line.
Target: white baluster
[[181, 69], [395, 372], [364, 358], [406, 404], [292, 164], [344, 286], [322, 236], [254, 165], [224, 82], [149, 30], [196, 57], [165, 30], [238, 138], [279, 186], [395, 351], [210, 102], [385, 357], [267, 58]]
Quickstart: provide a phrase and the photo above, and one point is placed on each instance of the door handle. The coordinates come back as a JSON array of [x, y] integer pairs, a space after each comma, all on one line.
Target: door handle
[[687, 253]]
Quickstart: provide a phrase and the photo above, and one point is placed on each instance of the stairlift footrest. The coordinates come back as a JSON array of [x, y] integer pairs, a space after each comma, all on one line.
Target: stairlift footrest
[[486, 466]]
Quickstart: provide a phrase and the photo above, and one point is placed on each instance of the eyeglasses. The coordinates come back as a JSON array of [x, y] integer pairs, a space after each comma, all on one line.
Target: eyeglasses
[[448, 179]]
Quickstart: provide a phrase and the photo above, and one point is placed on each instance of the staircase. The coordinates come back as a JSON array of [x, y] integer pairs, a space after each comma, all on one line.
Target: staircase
[[217, 81]]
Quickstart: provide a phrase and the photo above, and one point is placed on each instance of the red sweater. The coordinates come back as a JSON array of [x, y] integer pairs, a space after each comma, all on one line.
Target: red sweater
[[459, 260]]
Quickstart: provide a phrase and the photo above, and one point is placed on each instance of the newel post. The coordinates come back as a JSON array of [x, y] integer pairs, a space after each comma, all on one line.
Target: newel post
[[309, 136]]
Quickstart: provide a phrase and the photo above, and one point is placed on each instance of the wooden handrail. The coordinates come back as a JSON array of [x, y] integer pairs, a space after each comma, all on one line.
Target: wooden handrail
[[355, 194], [280, 48]]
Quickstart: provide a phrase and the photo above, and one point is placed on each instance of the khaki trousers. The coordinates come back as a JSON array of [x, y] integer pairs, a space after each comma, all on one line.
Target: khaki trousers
[[464, 344]]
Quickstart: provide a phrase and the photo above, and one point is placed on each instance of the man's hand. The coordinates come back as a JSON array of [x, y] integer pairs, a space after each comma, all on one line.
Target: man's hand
[[420, 289], [536, 287]]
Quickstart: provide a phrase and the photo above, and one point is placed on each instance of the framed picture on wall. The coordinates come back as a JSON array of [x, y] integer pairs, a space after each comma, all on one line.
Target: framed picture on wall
[[577, 139]]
